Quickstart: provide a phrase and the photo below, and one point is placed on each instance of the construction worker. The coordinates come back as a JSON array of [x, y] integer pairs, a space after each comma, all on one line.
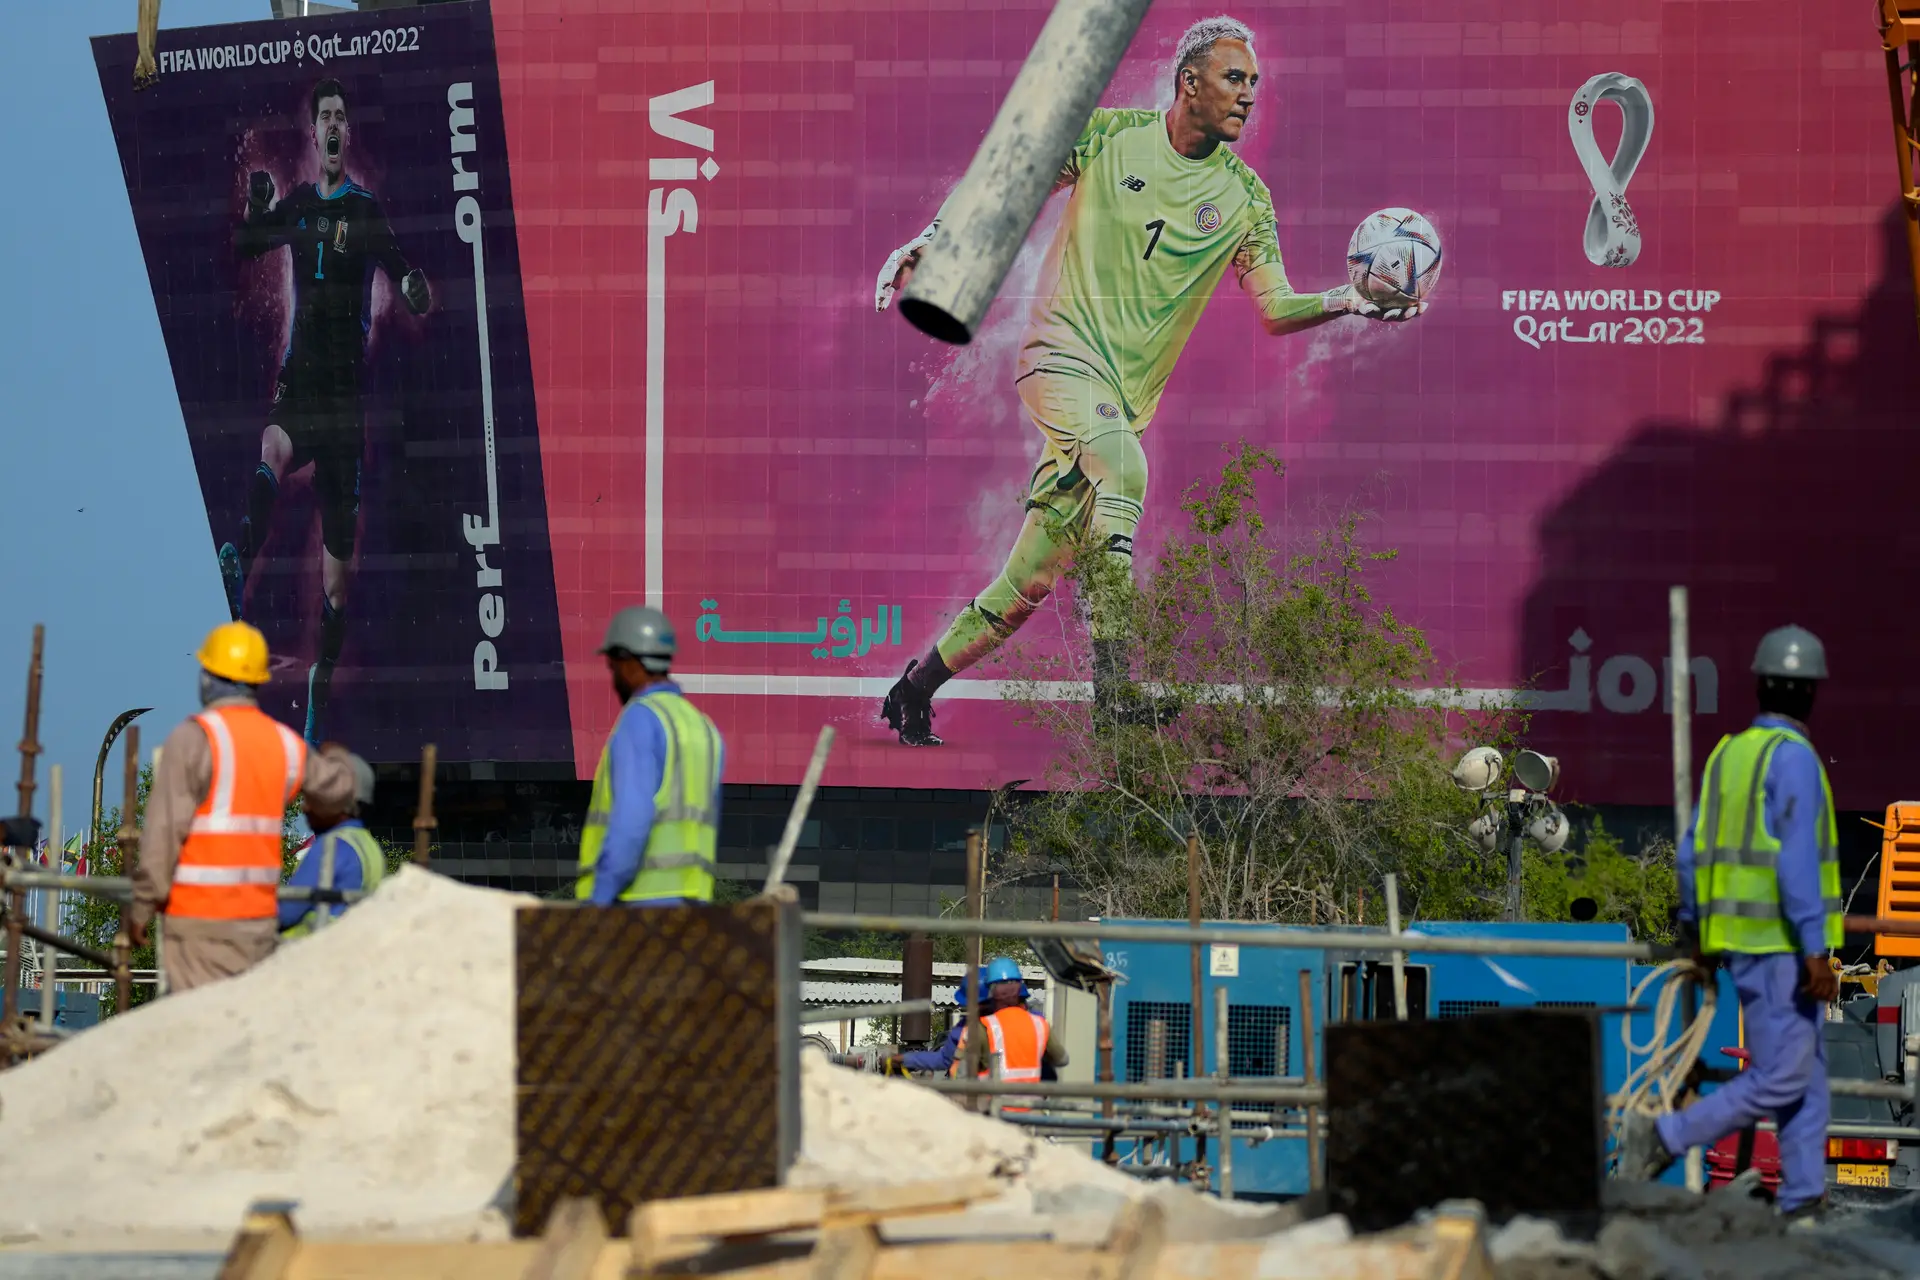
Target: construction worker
[[653, 823], [342, 855], [210, 848], [1015, 1032], [1760, 889]]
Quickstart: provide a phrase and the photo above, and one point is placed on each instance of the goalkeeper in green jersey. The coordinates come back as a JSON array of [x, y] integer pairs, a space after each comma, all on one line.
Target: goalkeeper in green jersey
[[1160, 210]]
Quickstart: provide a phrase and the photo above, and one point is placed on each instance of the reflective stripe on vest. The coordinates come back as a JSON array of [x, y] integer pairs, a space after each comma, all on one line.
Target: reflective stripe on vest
[[1019, 1036], [681, 846], [1736, 859], [373, 868], [231, 860]]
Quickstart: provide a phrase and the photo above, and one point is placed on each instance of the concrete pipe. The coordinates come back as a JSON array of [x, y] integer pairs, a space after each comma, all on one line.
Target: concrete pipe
[[988, 216]]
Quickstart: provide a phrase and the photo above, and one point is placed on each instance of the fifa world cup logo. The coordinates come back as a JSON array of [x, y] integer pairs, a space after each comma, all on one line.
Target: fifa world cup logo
[[1612, 234]]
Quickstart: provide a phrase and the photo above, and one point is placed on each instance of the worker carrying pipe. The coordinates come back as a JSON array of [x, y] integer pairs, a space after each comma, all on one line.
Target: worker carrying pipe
[[211, 844], [1760, 889], [342, 855], [1018, 1034], [653, 824]]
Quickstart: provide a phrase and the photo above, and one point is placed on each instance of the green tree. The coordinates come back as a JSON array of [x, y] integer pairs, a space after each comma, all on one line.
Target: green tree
[[1636, 888], [1294, 736]]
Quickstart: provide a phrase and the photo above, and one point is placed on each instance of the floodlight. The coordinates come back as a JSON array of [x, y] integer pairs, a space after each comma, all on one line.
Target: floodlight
[[1550, 829], [1536, 772], [1479, 769], [1486, 830]]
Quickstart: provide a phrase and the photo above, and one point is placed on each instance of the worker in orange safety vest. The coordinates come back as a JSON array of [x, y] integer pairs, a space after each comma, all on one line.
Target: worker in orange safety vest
[[210, 847], [1016, 1034]]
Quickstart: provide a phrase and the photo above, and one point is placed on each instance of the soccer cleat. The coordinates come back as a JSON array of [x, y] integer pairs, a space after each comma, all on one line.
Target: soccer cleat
[[909, 712], [1643, 1152], [233, 578], [318, 689]]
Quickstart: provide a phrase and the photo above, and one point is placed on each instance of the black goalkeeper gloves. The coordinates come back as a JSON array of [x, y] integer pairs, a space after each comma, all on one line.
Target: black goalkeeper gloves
[[259, 194]]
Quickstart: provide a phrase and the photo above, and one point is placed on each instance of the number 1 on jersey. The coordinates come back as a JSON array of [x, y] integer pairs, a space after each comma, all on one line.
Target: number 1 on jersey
[[320, 260], [1156, 226]]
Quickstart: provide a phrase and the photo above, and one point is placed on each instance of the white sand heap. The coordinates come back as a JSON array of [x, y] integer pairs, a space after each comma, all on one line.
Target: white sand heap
[[367, 1073]]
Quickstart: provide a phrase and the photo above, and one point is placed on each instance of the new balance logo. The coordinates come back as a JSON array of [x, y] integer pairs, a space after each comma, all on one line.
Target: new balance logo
[[1132, 183]]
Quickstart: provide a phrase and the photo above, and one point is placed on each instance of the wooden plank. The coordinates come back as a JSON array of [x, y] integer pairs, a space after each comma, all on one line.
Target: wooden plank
[[993, 1260], [571, 1245], [662, 1230], [845, 1253], [415, 1260], [911, 1199], [265, 1246]]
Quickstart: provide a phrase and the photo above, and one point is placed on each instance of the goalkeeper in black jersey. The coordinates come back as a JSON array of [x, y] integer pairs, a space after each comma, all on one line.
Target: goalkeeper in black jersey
[[336, 235]]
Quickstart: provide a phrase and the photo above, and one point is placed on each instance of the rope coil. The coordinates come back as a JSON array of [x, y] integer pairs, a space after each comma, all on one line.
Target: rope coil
[[1656, 1084]]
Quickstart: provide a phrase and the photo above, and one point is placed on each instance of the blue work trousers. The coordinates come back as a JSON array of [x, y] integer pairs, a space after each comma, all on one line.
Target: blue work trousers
[[1786, 1078]]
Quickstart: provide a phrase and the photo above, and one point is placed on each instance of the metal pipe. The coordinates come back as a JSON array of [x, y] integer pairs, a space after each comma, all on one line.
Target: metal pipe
[[423, 819], [17, 901], [797, 816], [129, 853], [1174, 1090], [1103, 1052], [1197, 1023], [1220, 1062], [1315, 1178], [48, 938], [122, 887], [986, 219], [838, 1013], [973, 1042], [1682, 707], [1399, 958], [1886, 1089], [916, 983], [50, 964], [1276, 936]]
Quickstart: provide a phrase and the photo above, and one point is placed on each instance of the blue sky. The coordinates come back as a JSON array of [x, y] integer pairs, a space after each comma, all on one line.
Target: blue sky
[[106, 538]]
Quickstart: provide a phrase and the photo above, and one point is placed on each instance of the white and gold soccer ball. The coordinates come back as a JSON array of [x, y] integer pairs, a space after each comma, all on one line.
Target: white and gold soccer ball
[[1394, 258]]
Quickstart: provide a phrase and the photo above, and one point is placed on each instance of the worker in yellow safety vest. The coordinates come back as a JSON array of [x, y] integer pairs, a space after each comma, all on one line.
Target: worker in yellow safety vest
[[342, 855], [653, 823], [1760, 889], [211, 843]]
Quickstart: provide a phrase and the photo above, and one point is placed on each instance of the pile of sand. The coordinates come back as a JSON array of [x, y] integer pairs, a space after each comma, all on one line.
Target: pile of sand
[[366, 1072]]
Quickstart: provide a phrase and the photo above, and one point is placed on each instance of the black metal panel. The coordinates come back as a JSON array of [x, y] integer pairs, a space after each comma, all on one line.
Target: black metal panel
[[1503, 1107]]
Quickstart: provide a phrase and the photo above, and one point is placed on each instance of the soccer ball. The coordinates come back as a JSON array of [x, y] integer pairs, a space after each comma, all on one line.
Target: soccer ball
[[1393, 259]]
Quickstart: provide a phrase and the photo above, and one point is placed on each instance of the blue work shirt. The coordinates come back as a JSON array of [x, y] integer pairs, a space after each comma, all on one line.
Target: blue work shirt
[[637, 759], [1795, 807], [346, 871], [940, 1059]]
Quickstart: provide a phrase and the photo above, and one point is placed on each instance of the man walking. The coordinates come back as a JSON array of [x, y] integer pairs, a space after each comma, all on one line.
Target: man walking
[[210, 848], [653, 824], [1760, 886]]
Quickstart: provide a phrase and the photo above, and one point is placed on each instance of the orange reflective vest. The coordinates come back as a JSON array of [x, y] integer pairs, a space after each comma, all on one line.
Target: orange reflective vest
[[230, 864], [1019, 1036]]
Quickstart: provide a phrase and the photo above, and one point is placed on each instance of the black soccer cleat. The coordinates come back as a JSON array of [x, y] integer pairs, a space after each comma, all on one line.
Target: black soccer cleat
[[909, 712]]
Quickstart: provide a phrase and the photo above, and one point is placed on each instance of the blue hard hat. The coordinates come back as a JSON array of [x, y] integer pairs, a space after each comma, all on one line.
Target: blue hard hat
[[1002, 969]]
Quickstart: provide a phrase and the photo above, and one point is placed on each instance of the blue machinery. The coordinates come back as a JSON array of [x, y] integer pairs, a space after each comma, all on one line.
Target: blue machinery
[[1153, 1016]]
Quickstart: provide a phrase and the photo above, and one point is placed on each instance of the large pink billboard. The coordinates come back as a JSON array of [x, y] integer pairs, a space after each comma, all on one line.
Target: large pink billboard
[[1673, 343]]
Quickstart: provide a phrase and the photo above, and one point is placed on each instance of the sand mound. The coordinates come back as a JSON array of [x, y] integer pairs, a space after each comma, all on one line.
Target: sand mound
[[366, 1072]]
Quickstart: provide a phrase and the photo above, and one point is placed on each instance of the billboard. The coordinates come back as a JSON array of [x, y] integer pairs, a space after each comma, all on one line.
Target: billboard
[[1672, 342], [327, 220]]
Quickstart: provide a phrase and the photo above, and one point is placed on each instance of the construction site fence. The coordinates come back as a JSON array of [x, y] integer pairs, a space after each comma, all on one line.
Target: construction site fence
[[120, 888]]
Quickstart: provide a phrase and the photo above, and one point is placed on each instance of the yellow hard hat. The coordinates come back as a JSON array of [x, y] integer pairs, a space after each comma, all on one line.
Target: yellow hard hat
[[235, 651]]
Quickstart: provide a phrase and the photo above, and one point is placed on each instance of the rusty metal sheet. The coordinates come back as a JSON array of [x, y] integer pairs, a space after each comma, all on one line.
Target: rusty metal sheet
[[657, 1053]]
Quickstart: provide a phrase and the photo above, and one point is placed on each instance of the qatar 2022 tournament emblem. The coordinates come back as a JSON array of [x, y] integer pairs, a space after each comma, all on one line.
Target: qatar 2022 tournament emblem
[[1612, 237]]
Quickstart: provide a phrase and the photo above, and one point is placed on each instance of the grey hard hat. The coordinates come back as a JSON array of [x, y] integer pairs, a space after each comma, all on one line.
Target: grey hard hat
[[1794, 653], [643, 632], [362, 780]]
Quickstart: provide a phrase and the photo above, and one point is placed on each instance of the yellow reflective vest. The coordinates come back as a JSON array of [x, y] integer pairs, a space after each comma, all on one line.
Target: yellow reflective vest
[[679, 857], [1736, 859]]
